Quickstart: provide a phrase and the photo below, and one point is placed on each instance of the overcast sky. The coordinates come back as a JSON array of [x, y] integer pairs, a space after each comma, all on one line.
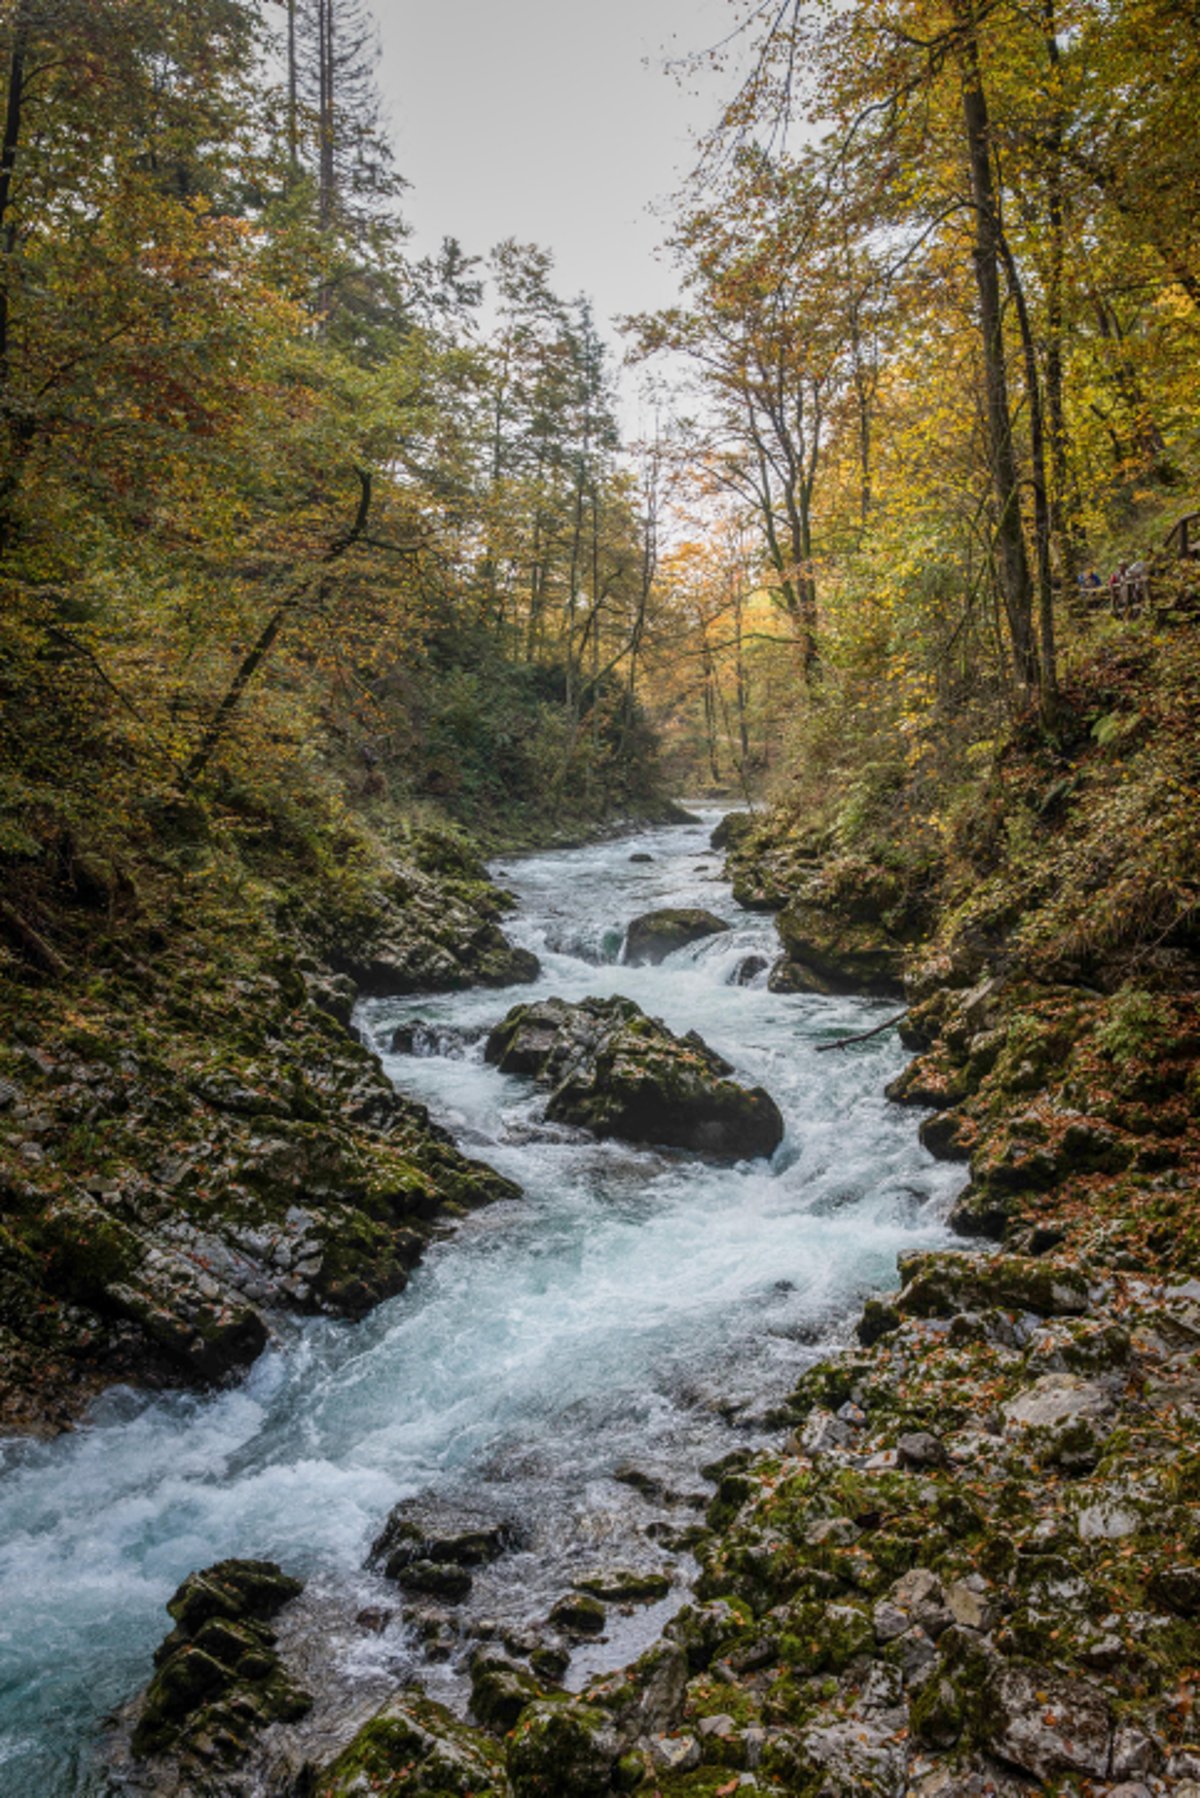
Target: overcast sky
[[551, 121]]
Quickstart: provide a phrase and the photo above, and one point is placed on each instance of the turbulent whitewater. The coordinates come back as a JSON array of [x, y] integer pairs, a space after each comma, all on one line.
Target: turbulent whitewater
[[635, 1309]]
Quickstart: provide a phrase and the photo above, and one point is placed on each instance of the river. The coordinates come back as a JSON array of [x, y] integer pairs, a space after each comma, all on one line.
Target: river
[[634, 1308]]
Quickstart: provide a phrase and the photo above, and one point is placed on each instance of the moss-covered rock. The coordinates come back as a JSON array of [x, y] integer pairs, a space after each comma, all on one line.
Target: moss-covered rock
[[219, 1678], [562, 1749], [414, 1748], [617, 1072]]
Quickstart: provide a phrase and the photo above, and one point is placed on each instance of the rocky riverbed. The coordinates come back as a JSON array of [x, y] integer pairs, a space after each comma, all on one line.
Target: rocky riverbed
[[955, 1558]]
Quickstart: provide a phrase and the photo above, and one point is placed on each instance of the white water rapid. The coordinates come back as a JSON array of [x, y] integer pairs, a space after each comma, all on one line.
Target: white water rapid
[[633, 1307]]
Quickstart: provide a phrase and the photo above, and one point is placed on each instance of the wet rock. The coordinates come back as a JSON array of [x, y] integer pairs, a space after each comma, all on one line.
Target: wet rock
[[579, 1614], [641, 856], [1045, 1724], [454, 1540], [219, 1677], [657, 934], [439, 1579], [617, 1072], [749, 969], [550, 1662], [625, 1585], [373, 1619]]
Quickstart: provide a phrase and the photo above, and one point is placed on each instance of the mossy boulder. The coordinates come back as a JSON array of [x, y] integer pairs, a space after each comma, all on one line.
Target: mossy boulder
[[619, 1073], [827, 952], [734, 828], [625, 1585], [657, 934], [219, 1677], [849, 927], [500, 1691], [563, 1750], [580, 1614], [414, 1748], [943, 1283]]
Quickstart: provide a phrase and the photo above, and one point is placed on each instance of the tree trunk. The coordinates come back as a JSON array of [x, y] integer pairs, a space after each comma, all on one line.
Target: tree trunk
[[257, 654], [293, 101], [1014, 562], [16, 432], [8, 162], [1063, 511], [1041, 498], [326, 108]]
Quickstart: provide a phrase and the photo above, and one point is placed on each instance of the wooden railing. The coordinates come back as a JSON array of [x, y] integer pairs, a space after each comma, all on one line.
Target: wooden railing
[[1184, 539]]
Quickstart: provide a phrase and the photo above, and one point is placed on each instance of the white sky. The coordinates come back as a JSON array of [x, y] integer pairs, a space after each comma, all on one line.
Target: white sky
[[551, 121]]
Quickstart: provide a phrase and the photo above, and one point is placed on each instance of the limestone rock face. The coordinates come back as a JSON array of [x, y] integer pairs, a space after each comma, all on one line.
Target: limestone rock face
[[619, 1073], [657, 934], [419, 936]]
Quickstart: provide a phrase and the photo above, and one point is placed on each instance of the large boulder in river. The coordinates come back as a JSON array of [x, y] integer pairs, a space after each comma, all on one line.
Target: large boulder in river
[[620, 1073], [657, 934]]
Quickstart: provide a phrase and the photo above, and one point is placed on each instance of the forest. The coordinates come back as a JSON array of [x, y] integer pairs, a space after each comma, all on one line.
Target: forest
[[351, 639]]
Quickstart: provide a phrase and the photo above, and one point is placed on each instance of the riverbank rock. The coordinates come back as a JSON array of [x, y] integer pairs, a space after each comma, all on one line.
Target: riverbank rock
[[849, 928], [733, 829], [657, 934], [417, 934], [619, 1073], [205, 1147], [219, 1678], [414, 1748]]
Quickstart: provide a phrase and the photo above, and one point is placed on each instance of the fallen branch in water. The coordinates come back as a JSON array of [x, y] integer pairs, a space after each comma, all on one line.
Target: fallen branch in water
[[864, 1036]]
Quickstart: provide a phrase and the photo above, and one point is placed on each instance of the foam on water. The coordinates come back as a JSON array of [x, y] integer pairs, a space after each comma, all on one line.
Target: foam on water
[[631, 1305]]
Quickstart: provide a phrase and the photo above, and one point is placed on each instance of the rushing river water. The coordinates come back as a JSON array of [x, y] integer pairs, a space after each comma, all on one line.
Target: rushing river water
[[633, 1308]]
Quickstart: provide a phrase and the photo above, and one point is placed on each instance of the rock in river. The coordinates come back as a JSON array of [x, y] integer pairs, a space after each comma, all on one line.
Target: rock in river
[[219, 1676], [620, 1073], [657, 934]]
